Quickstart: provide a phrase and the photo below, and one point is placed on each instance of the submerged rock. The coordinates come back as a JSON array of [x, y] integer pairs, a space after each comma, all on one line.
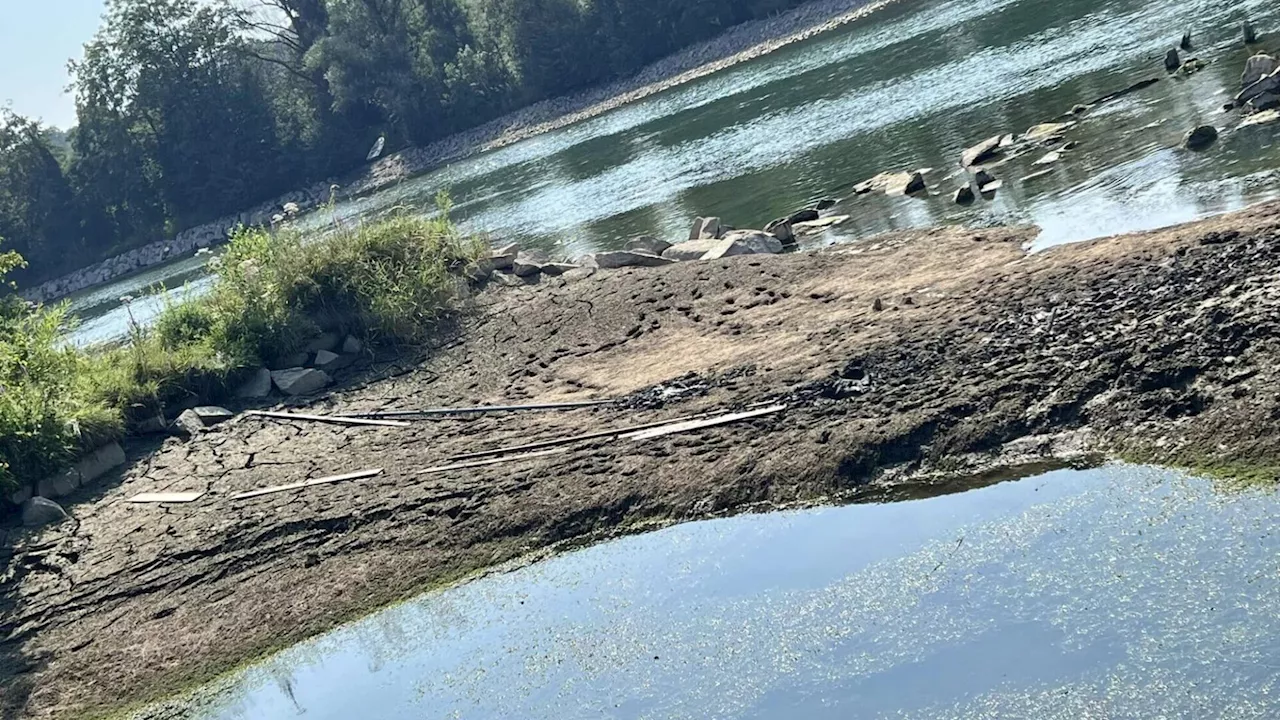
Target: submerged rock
[[1250, 35], [805, 215], [38, 512], [1186, 41], [964, 195], [1200, 137], [1256, 68], [904, 183], [1172, 61]]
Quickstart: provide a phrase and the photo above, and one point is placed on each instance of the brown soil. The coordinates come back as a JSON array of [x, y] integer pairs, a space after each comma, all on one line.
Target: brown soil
[[1160, 344]]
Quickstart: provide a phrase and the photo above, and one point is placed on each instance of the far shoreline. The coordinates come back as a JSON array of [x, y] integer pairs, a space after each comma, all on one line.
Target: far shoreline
[[739, 44]]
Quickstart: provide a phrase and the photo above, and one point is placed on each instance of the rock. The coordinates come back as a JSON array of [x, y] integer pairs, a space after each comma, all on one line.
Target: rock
[[1250, 35], [525, 266], [352, 345], [22, 495], [756, 241], [100, 462], [479, 271], [1191, 66], [905, 183], [814, 226], [1256, 68], [154, 425], [825, 204], [806, 215], [556, 269], [646, 244], [708, 227], [1269, 84], [257, 386], [324, 341], [189, 424], [988, 190], [1172, 61], [1261, 118], [39, 511], [502, 258], [212, 415], [982, 177], [1049, 158], [981, 152], [726, 247], [964, 195], [691, 250], [1200, 137], [627, 258], [300, 381], [60, 485], [782, 230], [508, 280], [1079, 109], [1186, 41], [1036, 133], [581, 273], [332, 362]]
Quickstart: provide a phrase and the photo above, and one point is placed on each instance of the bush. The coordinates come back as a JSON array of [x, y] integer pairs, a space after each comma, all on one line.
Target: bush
[[388, 281]]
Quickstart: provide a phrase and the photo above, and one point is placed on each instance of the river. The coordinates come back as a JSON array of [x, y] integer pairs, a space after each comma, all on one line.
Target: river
[[1120, 592], [909, 87]]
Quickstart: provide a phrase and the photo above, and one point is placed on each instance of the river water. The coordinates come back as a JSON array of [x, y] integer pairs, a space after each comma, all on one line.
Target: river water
[[1121, 592], [909, 87]]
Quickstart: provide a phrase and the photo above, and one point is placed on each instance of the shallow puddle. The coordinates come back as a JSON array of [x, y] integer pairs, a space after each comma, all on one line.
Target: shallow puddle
[[1110, 593]]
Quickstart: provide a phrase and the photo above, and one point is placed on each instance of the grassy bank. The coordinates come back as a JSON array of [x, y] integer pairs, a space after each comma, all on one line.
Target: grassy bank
[[389, 282]]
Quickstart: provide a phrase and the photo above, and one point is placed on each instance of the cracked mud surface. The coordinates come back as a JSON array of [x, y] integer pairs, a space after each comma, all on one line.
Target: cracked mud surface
[[1161, 344]]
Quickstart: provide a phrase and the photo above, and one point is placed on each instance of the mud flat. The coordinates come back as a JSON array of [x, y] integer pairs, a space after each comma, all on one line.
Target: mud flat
[[899, 358]]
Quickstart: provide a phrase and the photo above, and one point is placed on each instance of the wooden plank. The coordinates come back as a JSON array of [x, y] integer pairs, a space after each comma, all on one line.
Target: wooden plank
[[333, 419], [691, 425], [573, 439], [480, 410], [493, 461], [166, 497], [306, 484]]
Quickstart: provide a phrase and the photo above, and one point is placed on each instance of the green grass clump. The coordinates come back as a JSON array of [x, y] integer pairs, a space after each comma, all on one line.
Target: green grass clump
[[389, 281]]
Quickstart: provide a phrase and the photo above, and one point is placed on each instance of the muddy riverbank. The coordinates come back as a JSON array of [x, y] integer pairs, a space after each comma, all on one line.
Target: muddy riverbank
[[900, 357]]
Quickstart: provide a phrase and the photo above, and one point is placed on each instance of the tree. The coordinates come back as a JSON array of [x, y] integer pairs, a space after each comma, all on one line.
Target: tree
[[36, 201]]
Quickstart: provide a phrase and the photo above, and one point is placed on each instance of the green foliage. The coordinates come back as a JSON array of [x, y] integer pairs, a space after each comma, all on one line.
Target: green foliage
[[190, 110], [389, 281]]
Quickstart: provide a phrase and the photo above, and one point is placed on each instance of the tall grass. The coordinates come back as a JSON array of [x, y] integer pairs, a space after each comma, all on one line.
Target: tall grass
[[389, 282]]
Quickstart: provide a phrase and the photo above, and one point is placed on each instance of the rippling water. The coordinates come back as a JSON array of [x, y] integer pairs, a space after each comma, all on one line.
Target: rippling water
[[1122, 592], [909, 87]]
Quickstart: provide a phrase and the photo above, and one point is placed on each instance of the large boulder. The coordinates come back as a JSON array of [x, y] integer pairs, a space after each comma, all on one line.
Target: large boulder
[[99, 462], [257, 386], [981, 152], [708, 227], [625, 258], [726, 247], [756, 241], [646, 244], [331, 362], [781, 229], [38, 512], [300, 381], [691, 250], [1256, 68]]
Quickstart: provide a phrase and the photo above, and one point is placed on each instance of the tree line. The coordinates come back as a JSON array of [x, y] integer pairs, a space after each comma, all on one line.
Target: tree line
[[187, 110]]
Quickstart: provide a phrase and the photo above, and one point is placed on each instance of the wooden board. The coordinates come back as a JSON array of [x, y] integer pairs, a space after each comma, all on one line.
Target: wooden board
[[691, 425], [332, 419], [492, 461], [166, 497], [306, 484]]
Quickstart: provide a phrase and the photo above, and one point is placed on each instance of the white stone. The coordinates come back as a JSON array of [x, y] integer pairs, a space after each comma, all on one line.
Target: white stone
[[300, 381]]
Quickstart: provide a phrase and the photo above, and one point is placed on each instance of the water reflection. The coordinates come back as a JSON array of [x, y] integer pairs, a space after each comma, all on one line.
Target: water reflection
[[1119, 592]]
